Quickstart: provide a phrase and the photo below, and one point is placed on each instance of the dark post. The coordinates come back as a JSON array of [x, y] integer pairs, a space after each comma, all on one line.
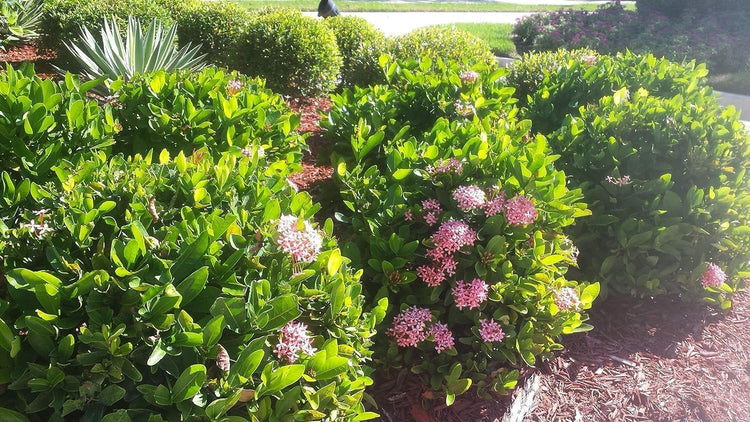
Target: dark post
[[327, 9]]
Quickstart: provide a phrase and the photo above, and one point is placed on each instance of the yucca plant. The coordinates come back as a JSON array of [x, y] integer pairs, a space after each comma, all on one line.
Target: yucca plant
[[19, 21], [140, 52]]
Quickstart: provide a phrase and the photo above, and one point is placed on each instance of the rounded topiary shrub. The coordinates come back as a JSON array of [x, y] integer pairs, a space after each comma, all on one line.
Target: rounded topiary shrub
[[216, 26], [447, 44], [360, 45], [666, 181], [184, 110], [463, 232], [188, 288], [296, 54]]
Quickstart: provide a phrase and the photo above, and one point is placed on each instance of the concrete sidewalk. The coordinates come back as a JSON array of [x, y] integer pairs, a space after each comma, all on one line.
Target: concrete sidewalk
[[398, 23]]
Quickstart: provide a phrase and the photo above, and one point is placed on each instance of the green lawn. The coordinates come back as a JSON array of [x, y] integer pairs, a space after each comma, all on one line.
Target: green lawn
[[385, 6], [497, 34]]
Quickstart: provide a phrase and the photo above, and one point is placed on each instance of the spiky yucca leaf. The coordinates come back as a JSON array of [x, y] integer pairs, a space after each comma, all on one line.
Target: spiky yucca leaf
[[140, 52], [20, 20]]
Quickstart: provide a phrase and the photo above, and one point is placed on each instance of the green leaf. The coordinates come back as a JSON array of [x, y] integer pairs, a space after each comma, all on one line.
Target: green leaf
[[6, 335], [338, 297], [327, 367], [247, 363], [219, 407], [190, 258], [281, 310], [189, 383], [334, 261], [401, 174], [233, 310], [212, 331], [366, 416], [275, 381], [119, 416], [111, 394], [7, 415]]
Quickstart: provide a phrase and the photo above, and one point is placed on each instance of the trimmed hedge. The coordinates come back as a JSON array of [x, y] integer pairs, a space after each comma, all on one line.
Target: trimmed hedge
[[215, 25], [447, 44], [360, 45], [296, 54]]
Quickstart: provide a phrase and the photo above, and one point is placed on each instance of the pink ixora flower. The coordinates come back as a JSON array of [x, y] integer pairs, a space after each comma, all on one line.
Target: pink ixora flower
[[452, 165], [495, 205], [442, 336], [520, 211], [490, 330], [469, 197], [566, 299], [234, 86], [470, 295], [464, 108], [620, 181], [469, 76], [294, 339], [302, 243], [408, 216], [431, 275], [410, 326], [714, 276], [452, 236]]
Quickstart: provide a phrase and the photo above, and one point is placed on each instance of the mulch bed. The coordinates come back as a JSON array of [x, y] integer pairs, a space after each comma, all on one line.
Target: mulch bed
[[18, 54], [649, 360]]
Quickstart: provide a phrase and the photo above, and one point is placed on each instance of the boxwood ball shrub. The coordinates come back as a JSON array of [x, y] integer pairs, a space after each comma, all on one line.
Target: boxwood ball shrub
[[551, 85], [463, 232], [360, 45], [666, 181], [415, 95], [173, 289], [448, 44], [296, 54], [215, 26], [183, 110], [43, 121]]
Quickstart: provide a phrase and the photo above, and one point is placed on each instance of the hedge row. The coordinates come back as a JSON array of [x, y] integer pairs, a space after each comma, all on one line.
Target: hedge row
[[296, 54]]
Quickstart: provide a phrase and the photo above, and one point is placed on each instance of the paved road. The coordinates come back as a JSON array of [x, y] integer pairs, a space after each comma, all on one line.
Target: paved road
[[397, 23]]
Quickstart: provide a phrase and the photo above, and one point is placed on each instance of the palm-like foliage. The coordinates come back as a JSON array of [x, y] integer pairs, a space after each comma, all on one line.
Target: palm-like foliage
[[140, 52], [19, 20]]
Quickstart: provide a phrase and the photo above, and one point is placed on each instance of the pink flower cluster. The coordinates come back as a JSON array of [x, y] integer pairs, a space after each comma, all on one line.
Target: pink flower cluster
[[566, 299], [442, 336], [431, 209], [464, 108], [452, 165], [408, 215], [470, 295], [294, 339], [234, 86], [469, 197], [39, 230], [520, 211], [450, 237], [620, 181], [495, 205], [469, 76], [714, 276], [303, 244], [490, 330], [410, 326]]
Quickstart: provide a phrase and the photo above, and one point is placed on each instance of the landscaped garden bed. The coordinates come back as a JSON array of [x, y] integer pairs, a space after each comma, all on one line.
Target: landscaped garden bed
[[357, 228]]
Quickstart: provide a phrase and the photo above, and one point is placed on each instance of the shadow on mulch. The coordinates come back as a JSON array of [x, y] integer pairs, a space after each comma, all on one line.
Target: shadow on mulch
[[42, 59]]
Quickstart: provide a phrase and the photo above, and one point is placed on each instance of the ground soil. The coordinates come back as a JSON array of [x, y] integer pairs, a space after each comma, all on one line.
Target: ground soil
[[646, 360]]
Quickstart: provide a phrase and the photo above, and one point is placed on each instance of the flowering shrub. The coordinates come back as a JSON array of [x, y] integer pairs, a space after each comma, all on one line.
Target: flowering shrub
[[716, 36], [462, 229], [551, 85], [184, 110], [666, 182], [363, 121], [296, 54], [43, 121], [360, 45], [447, 44], [172, 289]]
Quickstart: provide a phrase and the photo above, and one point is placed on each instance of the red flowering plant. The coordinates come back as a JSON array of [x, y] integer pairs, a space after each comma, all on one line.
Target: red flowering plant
[[464, 233]]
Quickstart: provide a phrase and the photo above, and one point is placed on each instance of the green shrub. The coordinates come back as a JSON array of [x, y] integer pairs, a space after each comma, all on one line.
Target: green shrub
[[161, 294], [666, 181], [360, 45], [551, 85], [431, 217], [19, 21], [447, 44], [184, 111], [675, 8], [416, 94], [62, 19], [296, 54], [43, 121], [216, 26]]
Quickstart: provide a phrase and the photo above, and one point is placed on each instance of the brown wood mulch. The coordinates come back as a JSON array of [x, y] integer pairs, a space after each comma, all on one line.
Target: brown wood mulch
[[647, 360]]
